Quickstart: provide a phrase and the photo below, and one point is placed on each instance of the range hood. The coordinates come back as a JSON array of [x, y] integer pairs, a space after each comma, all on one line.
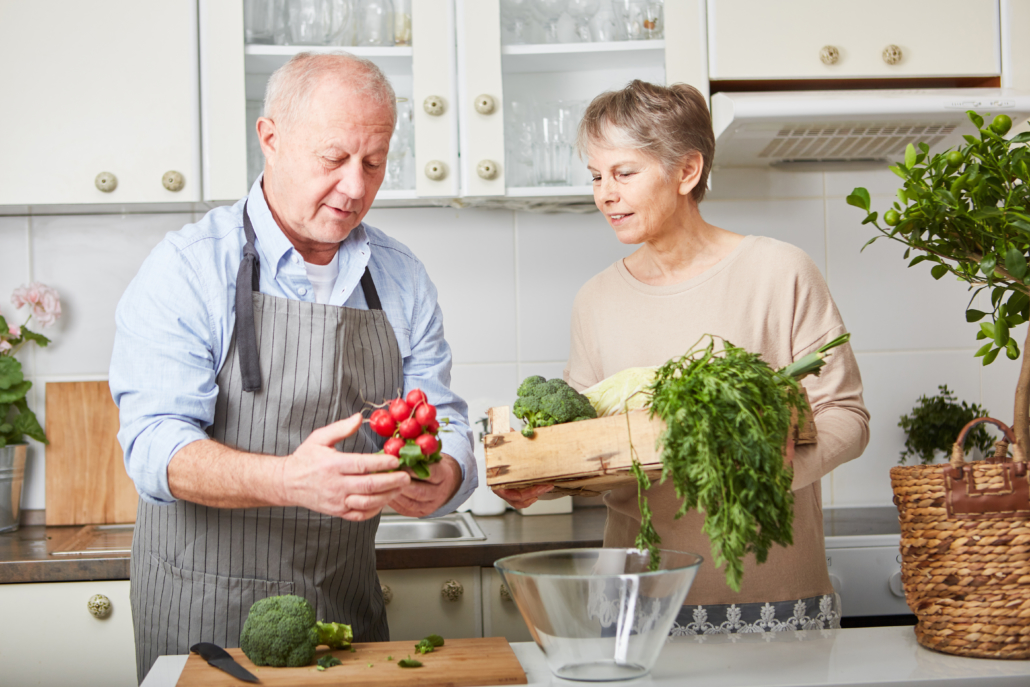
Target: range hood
[[833, 129]]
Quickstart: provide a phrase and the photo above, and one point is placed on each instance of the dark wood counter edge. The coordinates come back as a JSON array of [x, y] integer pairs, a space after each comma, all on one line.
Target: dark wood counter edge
[[24, 557]]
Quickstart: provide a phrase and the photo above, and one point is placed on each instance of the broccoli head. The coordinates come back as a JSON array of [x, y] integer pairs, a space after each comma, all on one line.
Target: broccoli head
[[281, 631], [545, 402]]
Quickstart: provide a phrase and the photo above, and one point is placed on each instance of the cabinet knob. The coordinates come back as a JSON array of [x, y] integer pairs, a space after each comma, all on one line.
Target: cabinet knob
[[452, 590], [433, 105], [892, 54], [487, 169], [436, 170], [173, 181], [387, 594], [485, 104], [106, 182], [505, 594], [99, 606], [896, 586], [829, 55]]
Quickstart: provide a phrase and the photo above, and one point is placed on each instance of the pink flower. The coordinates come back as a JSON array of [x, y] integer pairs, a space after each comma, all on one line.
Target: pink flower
[[44, 301], [5, 346], [15, 331]]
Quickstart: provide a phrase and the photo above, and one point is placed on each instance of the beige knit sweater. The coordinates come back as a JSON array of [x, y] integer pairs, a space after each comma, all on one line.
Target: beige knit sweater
[[767, 297]]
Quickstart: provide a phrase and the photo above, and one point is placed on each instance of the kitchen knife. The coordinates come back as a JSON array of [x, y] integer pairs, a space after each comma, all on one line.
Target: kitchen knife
[[220, 658]]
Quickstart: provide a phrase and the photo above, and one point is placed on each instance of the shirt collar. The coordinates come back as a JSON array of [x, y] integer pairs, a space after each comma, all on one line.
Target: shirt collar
[[275, 248]]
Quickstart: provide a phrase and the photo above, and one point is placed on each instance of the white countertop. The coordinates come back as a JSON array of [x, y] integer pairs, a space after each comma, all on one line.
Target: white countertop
[[882, 656]]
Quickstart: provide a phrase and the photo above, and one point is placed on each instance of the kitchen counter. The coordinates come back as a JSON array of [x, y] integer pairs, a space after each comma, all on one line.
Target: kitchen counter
[[26, 555], [880, 656]]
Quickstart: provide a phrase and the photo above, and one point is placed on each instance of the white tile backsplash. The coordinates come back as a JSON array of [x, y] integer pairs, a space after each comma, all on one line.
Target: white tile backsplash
[[507, 281]]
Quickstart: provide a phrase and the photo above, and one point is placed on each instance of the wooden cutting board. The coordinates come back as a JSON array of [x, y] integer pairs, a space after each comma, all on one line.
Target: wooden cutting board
[[86, 482], [458, 663]]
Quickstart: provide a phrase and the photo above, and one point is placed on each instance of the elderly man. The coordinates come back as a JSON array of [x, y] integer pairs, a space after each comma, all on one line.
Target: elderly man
[[247, 347]]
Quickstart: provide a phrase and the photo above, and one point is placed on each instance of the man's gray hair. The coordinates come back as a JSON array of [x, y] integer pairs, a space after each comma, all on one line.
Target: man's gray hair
[[291, 84]]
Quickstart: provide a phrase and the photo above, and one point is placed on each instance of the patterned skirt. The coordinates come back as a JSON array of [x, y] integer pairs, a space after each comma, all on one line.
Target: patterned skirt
[[813, 613]]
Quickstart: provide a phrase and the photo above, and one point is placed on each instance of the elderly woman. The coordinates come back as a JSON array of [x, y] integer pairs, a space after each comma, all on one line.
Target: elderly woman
[[650, 149]]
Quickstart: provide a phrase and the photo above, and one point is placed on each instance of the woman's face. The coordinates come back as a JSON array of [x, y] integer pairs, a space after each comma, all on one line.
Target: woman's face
[[637, 198]]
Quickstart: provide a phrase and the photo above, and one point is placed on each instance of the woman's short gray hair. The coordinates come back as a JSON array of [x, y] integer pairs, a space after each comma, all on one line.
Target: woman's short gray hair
[[667, 123], [291, 84]]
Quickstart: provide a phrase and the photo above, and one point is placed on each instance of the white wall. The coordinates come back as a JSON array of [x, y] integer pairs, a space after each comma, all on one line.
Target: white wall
[[507, 280]]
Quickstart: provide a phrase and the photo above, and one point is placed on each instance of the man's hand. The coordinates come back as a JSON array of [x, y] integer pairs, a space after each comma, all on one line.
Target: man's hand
[[422, 497], [525, 497], [319, 477]]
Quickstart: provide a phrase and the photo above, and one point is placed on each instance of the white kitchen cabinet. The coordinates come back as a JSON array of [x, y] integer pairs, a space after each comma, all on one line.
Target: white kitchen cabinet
[[49, 637], [814, 39], [99, 88], [501, 617], [424, 601]]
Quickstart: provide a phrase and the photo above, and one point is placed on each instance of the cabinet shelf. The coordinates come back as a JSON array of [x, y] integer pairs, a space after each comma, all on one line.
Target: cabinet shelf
[[577, 57], [548, 191], [265, 59]]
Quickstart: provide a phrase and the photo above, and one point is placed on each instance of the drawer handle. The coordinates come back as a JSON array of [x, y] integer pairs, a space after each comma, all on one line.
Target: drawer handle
[[436, 170], [106, 182], [173, 181], [829, 55], [99, 606], [485, 104], [387, 594], [505, 594], [433, 105], [452, 590], [487, 169], [892, 54]]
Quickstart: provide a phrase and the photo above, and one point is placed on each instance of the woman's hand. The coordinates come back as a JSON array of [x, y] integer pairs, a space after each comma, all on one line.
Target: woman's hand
[[525, 497]]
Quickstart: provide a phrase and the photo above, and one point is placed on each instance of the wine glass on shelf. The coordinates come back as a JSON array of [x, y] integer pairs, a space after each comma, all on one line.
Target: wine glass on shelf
[[604, 25], [259, 20], [582, 11], [341, 30], [549, 12], [308, 22], [515, 15], [374, 23]]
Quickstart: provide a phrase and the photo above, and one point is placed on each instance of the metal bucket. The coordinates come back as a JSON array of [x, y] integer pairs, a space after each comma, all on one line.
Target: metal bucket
[[12, 476]]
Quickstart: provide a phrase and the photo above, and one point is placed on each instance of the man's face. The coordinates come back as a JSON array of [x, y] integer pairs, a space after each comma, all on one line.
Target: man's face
[[324, 170]]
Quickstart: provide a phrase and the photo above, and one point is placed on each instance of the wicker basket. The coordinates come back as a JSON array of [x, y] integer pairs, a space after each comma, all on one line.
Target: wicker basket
[[965, 551]]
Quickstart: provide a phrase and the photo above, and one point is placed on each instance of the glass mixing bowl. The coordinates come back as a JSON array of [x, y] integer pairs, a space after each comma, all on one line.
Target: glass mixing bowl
[[599, 614]]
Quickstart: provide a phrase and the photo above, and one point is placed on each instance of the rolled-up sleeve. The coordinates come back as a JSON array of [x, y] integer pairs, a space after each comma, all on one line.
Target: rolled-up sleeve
[[163, 368], [428, 367]]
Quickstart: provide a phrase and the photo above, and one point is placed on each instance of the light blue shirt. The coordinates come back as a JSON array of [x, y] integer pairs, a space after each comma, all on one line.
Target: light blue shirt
[[175, 323]]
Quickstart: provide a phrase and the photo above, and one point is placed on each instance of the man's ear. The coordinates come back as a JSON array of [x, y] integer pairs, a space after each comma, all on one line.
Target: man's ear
[[268, 137]]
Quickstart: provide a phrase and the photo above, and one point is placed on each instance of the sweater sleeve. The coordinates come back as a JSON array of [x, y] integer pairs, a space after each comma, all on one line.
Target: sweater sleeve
[[841, 418]]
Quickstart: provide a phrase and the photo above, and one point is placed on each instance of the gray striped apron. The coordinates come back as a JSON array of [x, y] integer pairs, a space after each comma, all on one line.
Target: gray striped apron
[[195, 571]]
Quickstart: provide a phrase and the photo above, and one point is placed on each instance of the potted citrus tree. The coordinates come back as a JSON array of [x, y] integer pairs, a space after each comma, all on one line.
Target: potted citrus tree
[[966, 214], [16, 419]]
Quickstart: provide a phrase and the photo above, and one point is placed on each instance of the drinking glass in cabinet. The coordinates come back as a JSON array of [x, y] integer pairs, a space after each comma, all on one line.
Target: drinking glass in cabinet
[[341, 31], [374, 23], [259, 20], [307, 22], [518, 135], [400, 168], [604, 25], [516, 17], [554, 129], [639, 19], [402, 22], [582, 11], [549, 11]]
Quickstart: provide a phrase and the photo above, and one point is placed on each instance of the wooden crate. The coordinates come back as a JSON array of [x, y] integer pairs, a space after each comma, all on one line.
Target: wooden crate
[[583, 458]]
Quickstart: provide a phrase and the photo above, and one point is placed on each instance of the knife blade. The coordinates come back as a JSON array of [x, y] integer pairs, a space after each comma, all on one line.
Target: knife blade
[[220, 658]]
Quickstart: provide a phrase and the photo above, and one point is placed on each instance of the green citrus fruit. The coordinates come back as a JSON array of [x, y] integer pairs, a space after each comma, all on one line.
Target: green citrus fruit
[[1001, 124], [891, 217], [955, 158]]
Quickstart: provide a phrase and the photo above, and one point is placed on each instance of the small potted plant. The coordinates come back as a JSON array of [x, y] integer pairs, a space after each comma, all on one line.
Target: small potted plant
[[935, 421], [16, 419]]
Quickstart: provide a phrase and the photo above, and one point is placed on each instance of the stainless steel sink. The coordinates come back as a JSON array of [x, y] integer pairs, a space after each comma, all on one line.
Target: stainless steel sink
[[116, 540]]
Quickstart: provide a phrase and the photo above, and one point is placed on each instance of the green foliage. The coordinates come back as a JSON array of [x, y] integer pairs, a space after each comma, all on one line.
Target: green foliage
[[967, 213], [16, 420], [542, 403], [281, 631], [727, 416], [935, 423]]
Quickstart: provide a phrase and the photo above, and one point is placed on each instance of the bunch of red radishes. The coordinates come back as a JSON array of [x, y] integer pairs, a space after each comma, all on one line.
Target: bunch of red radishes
[[411, 427]]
